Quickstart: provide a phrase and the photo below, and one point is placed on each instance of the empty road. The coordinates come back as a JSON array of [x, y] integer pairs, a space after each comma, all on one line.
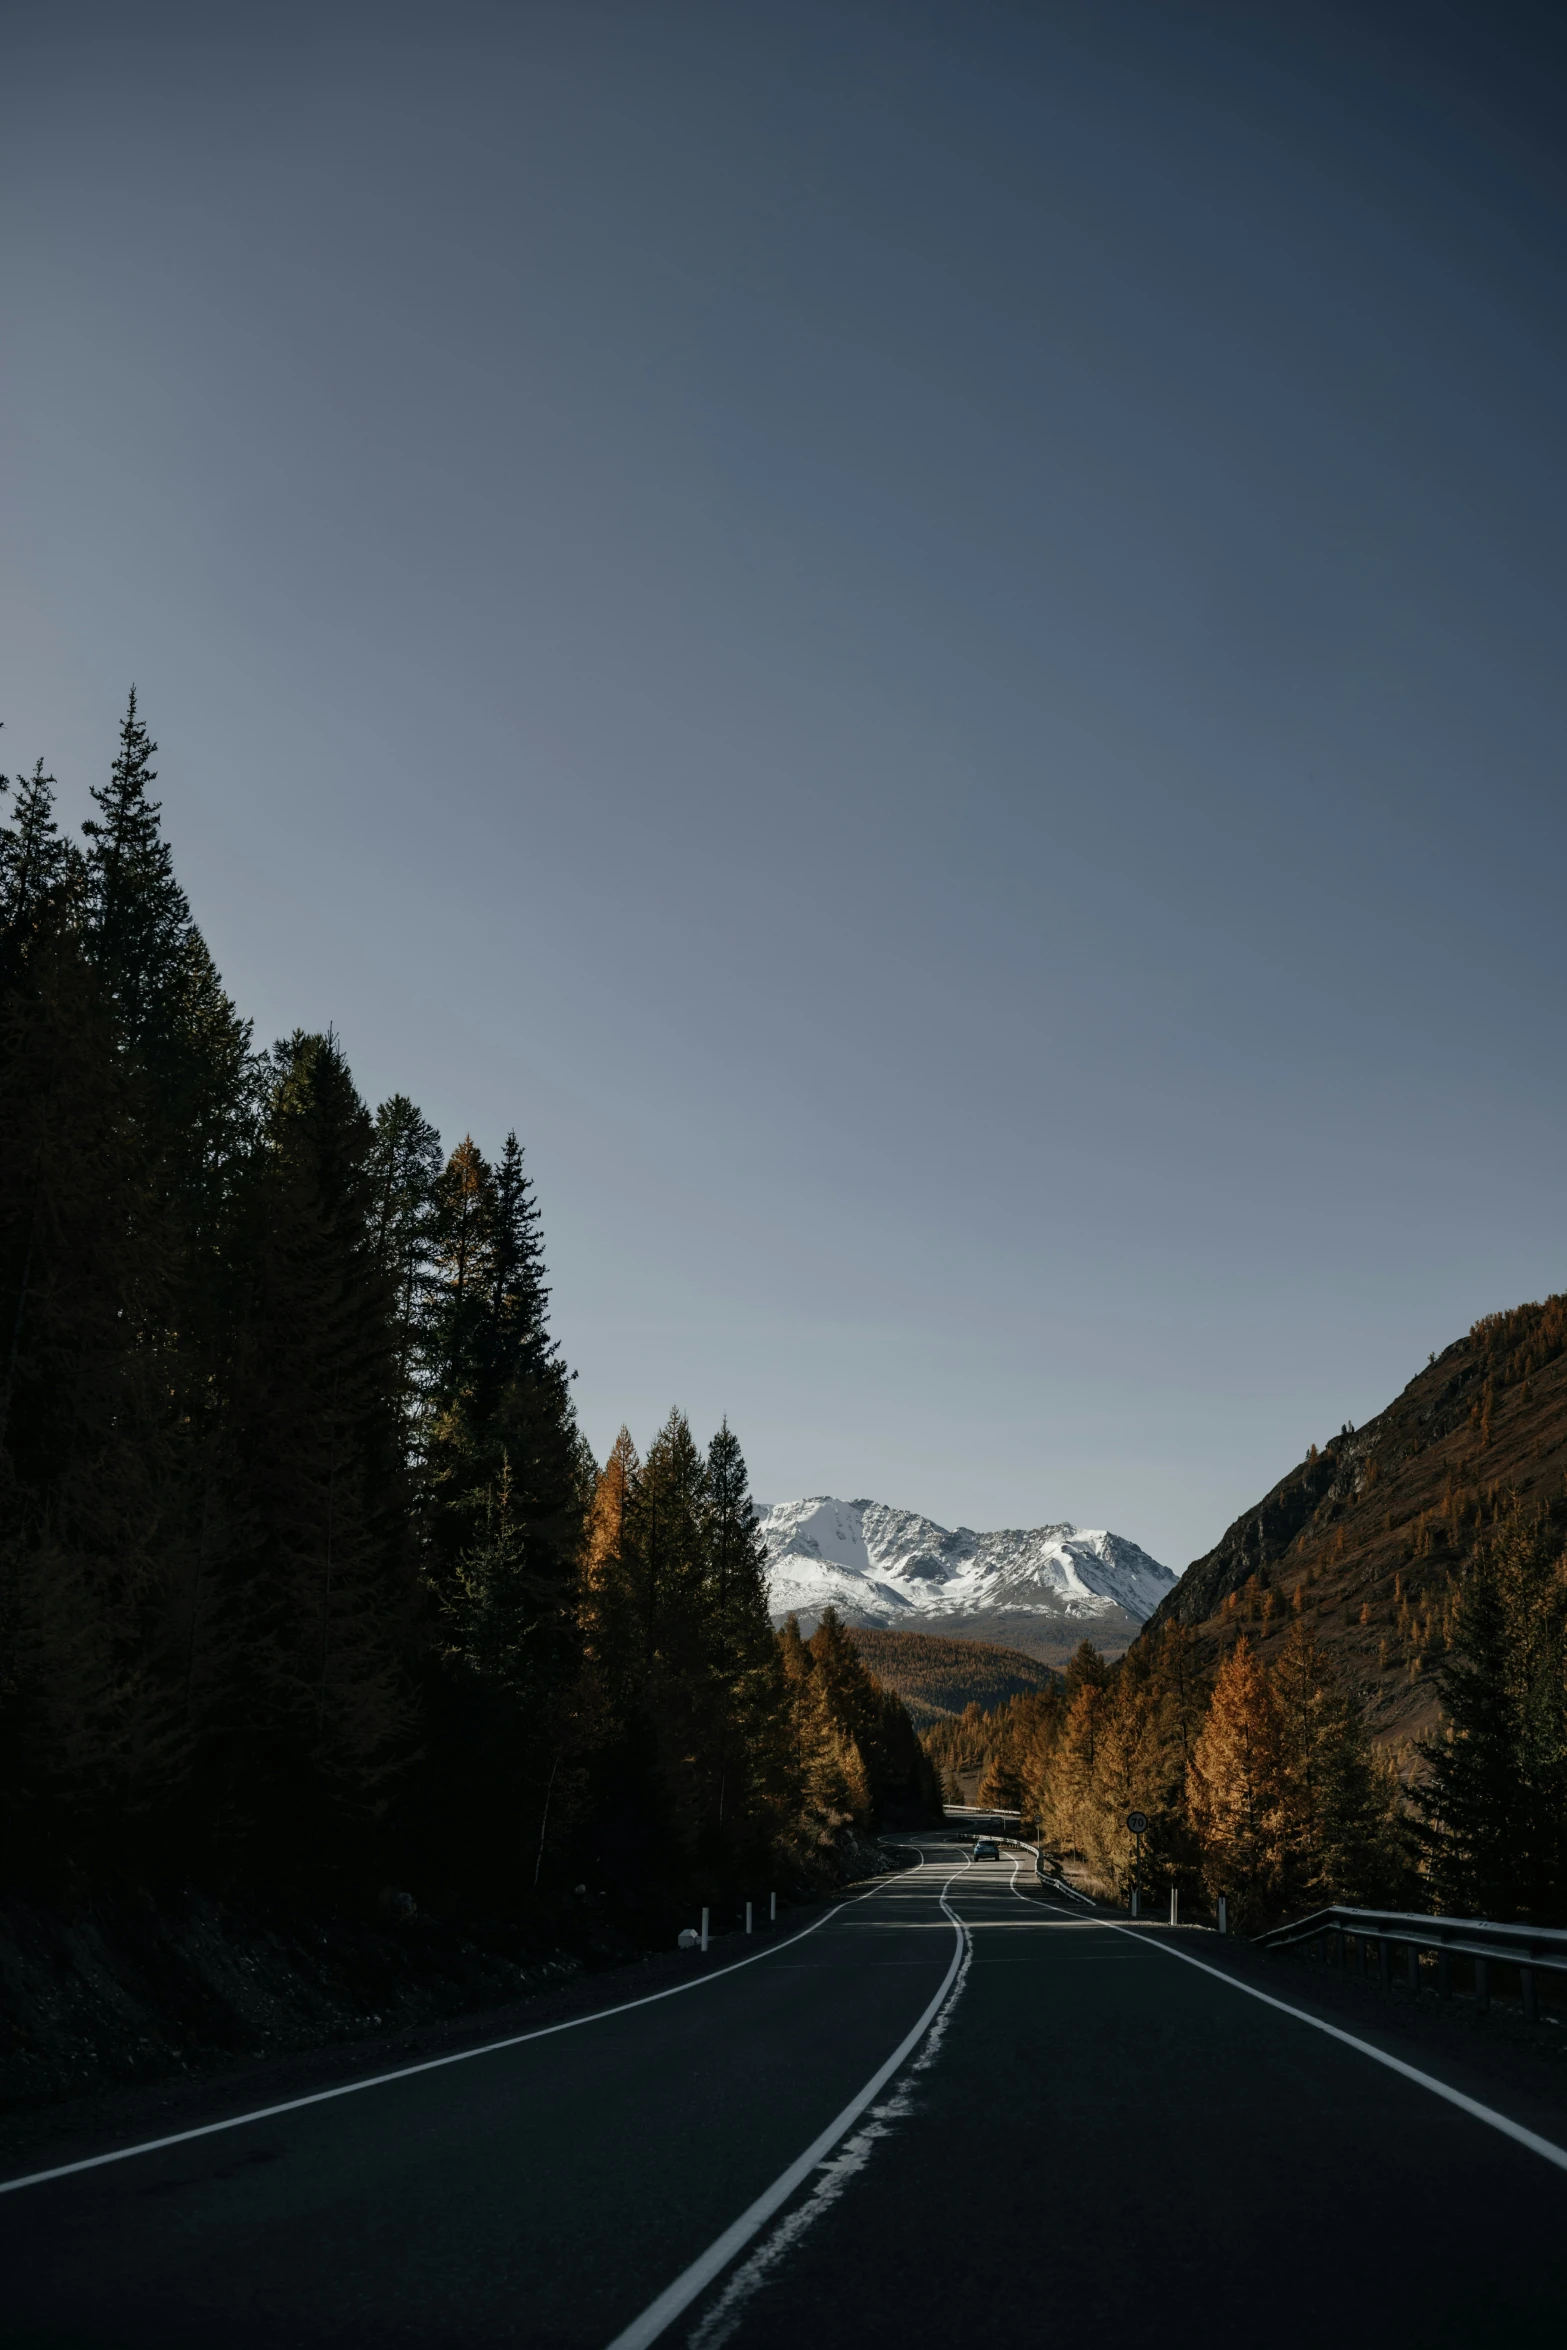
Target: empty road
[[949, 2109]]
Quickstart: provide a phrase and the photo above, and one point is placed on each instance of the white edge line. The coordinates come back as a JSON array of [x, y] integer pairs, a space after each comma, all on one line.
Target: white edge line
[[691, 2281], [1395, 2064], [431, 2064]]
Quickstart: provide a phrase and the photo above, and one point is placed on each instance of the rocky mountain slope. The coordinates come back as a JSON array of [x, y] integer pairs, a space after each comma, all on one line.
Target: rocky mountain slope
[[1041, 1588], [1373, 1529]]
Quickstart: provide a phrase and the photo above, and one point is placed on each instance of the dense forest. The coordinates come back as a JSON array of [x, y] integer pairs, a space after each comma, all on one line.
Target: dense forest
[[1378, 1527], [1258, 1773], [305, 1564], [938, 1677]]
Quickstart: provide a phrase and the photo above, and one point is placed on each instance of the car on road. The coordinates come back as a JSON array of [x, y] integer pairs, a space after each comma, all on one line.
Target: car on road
[[986, 1848]]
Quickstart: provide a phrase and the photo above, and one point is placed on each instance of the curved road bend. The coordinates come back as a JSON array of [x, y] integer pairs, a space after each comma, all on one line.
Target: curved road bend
[[539, 2195], [1092, 2139]]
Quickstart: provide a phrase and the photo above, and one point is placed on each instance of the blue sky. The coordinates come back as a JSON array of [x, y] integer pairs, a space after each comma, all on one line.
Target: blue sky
[[925, 640]]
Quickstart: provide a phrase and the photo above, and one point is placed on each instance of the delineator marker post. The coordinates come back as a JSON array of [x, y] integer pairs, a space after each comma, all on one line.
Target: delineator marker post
[[704, 1929]]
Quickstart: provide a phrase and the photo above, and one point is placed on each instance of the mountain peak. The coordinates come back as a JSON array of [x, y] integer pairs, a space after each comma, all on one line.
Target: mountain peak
[[1043, 1587]]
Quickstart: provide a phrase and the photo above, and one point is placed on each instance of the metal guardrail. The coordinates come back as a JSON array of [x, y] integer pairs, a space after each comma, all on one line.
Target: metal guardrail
[[1482, 1941]]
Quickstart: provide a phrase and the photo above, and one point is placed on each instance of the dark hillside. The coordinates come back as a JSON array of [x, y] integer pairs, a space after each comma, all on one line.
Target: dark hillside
[[937, 1677], [1373, 1530]]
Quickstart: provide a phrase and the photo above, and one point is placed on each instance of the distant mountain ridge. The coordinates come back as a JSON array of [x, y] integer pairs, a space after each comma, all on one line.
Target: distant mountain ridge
[[1037, 1588]]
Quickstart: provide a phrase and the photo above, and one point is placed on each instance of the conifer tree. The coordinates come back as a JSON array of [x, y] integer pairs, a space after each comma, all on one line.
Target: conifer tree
[[1233, 1786], [1335, 1826], [1001, 1785], [405, 1163], [610, 1579], [85, 1428], [172, 1015], [828, 1769], [1493, 1804], [457, 1315], [35, 863], [669, 1534], [324, 1711], [1068, 1797], [744, 1661]]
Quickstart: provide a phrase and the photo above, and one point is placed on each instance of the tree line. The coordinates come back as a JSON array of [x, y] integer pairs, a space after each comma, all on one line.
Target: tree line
[[304, 1559], [1259, 1780]]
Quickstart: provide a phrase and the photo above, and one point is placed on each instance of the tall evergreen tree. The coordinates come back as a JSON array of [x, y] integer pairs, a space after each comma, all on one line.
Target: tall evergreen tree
[[405, 1166], [1334, 1811], [1493, 1803], [173, 1016], [35, 862], [85, 1428], [323, 1716], [754, 1782]]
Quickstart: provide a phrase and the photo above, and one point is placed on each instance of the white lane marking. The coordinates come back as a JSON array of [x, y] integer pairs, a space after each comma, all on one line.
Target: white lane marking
[[724, 2318], [432, 2064], [694, 2280], [1395, 2064]]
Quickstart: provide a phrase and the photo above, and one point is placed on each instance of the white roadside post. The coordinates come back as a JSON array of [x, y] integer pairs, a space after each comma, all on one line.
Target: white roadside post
[[772, 1909], [1224, 1915], [704, 1929], [1175, 1907], [748, 1917]]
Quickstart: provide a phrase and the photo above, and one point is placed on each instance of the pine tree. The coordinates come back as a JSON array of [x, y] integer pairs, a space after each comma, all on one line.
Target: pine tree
[[1493, 1804], [1068, 1797], [1335, 1812], [35, 863], [1086, 1669], [833, 1792], [327, 1596], [754, 1782], [1233, 1786], [517, 1342], [456, 1319], [1001, 1785], [174, 1020], [405, 1164], [86, 1439]]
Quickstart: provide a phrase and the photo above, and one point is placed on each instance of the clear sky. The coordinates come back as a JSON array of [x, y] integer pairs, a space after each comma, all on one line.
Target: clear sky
[[926, 640]]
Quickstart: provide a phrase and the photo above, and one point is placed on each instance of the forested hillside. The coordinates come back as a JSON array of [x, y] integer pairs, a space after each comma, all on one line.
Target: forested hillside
[[937, 1677], [1370, 1535], [1361, 1692], [304, 1562]]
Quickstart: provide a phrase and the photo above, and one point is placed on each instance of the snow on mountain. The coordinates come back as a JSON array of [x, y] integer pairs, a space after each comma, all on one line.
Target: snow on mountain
[[891, 1567]]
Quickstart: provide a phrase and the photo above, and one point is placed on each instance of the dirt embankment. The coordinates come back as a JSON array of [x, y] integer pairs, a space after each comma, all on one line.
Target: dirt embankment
[[133, 1984], [105, 1988]]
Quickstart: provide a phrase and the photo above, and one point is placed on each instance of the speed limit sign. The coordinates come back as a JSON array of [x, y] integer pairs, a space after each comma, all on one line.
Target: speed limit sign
[[1137, 1821]]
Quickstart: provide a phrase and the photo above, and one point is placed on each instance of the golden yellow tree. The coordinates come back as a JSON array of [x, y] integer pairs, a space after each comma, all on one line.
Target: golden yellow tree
[[1232, 1785]]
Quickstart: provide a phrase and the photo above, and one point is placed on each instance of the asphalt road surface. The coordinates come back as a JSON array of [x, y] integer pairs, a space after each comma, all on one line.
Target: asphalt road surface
[[950, 2110]]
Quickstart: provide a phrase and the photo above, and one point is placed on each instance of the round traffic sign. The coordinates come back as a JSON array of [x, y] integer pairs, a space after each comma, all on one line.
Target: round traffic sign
[[1137, 1821]]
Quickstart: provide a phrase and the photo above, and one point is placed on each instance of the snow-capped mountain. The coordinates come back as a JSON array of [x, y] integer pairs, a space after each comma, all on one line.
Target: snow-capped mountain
[[890, 1567]]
